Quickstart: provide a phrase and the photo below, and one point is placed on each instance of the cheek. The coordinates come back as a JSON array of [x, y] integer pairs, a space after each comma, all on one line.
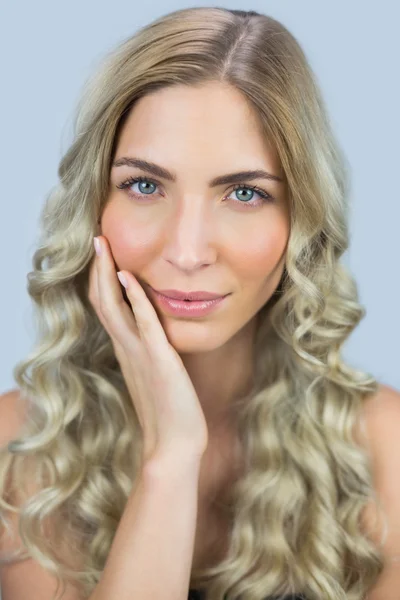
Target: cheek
[[131, 243], [259, 255]]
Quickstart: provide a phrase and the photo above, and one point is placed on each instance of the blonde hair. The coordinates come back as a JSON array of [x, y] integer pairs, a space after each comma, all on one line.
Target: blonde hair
[[296, 510]]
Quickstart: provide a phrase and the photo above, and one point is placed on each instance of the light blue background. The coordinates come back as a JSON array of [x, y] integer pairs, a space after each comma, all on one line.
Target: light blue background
[[48, 48]]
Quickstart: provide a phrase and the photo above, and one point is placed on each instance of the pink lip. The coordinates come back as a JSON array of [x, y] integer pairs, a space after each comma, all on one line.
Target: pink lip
[[183, 308], [193, 296]]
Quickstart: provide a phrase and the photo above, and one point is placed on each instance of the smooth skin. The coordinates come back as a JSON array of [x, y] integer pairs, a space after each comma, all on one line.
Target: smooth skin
[[186, 235], [190, 237], [163, 395]]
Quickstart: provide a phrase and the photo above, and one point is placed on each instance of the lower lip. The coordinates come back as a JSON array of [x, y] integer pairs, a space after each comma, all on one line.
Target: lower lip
[[181, 308]]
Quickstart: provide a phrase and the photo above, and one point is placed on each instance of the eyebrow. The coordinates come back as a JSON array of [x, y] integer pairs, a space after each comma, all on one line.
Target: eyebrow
[[159, 171]]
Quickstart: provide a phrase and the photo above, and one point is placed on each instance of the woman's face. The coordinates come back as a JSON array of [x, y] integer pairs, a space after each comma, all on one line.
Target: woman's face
[[183, 233]]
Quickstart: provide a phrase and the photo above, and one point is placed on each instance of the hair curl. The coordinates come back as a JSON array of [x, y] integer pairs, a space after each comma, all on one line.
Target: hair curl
[[296, 510]]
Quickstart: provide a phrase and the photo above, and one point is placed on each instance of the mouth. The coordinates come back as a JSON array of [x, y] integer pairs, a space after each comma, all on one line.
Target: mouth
[[187, 308], [189, 296]]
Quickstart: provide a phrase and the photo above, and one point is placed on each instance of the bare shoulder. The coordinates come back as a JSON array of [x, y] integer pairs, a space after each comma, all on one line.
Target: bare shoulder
[[381, 416], [381, 426], [375, 415], [26, 579], [386, 399], [12, 415]]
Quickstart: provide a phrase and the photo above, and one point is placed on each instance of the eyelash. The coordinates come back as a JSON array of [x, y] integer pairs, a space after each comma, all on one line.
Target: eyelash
[[265, 196]]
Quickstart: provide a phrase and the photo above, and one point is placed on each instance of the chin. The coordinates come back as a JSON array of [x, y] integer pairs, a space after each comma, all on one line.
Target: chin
[[190, 336]]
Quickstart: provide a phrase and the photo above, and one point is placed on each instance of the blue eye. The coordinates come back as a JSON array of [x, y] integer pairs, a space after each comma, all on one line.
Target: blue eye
[[265, 197]]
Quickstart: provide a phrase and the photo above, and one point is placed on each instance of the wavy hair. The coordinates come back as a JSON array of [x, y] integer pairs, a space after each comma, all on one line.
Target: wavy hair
[[296, 511]]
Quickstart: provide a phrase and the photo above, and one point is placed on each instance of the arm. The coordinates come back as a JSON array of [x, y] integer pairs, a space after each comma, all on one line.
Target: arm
[[151, 554]]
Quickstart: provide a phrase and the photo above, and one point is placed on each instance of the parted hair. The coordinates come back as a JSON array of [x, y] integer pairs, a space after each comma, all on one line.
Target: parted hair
[[296, 509]]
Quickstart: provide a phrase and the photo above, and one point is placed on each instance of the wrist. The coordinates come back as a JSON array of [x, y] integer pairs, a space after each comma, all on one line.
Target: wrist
[[173, 464]]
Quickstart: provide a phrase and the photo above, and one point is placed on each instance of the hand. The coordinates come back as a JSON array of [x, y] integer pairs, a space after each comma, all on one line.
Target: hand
[[164, 399]]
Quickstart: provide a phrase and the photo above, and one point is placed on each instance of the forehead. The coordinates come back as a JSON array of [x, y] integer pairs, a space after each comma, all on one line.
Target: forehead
[[205, 125]]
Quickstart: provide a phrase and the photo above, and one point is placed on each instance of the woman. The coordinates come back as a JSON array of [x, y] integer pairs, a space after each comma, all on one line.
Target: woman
[[216, 445]]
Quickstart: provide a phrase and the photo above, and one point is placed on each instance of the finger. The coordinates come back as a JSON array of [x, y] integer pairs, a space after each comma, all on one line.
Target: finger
[[117, 315], [148, 323], [93, 295], [140, 315], [92, 288]]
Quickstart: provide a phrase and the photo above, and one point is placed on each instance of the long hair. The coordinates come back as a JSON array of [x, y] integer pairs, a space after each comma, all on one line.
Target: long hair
[[296, 511]]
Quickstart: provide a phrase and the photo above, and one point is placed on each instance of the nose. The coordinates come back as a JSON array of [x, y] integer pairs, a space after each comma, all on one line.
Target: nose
[[190, 241]]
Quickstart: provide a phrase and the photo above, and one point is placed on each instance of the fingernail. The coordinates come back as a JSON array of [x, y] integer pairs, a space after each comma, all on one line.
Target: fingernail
[[97, 246], [122, 279]]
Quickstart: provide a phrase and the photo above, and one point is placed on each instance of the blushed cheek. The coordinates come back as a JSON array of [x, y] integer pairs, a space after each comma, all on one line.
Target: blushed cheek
[[133, 245], [258, 257]]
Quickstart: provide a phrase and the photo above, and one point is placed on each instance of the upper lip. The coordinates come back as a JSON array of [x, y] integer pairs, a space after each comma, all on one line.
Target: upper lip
[[178, 295]]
